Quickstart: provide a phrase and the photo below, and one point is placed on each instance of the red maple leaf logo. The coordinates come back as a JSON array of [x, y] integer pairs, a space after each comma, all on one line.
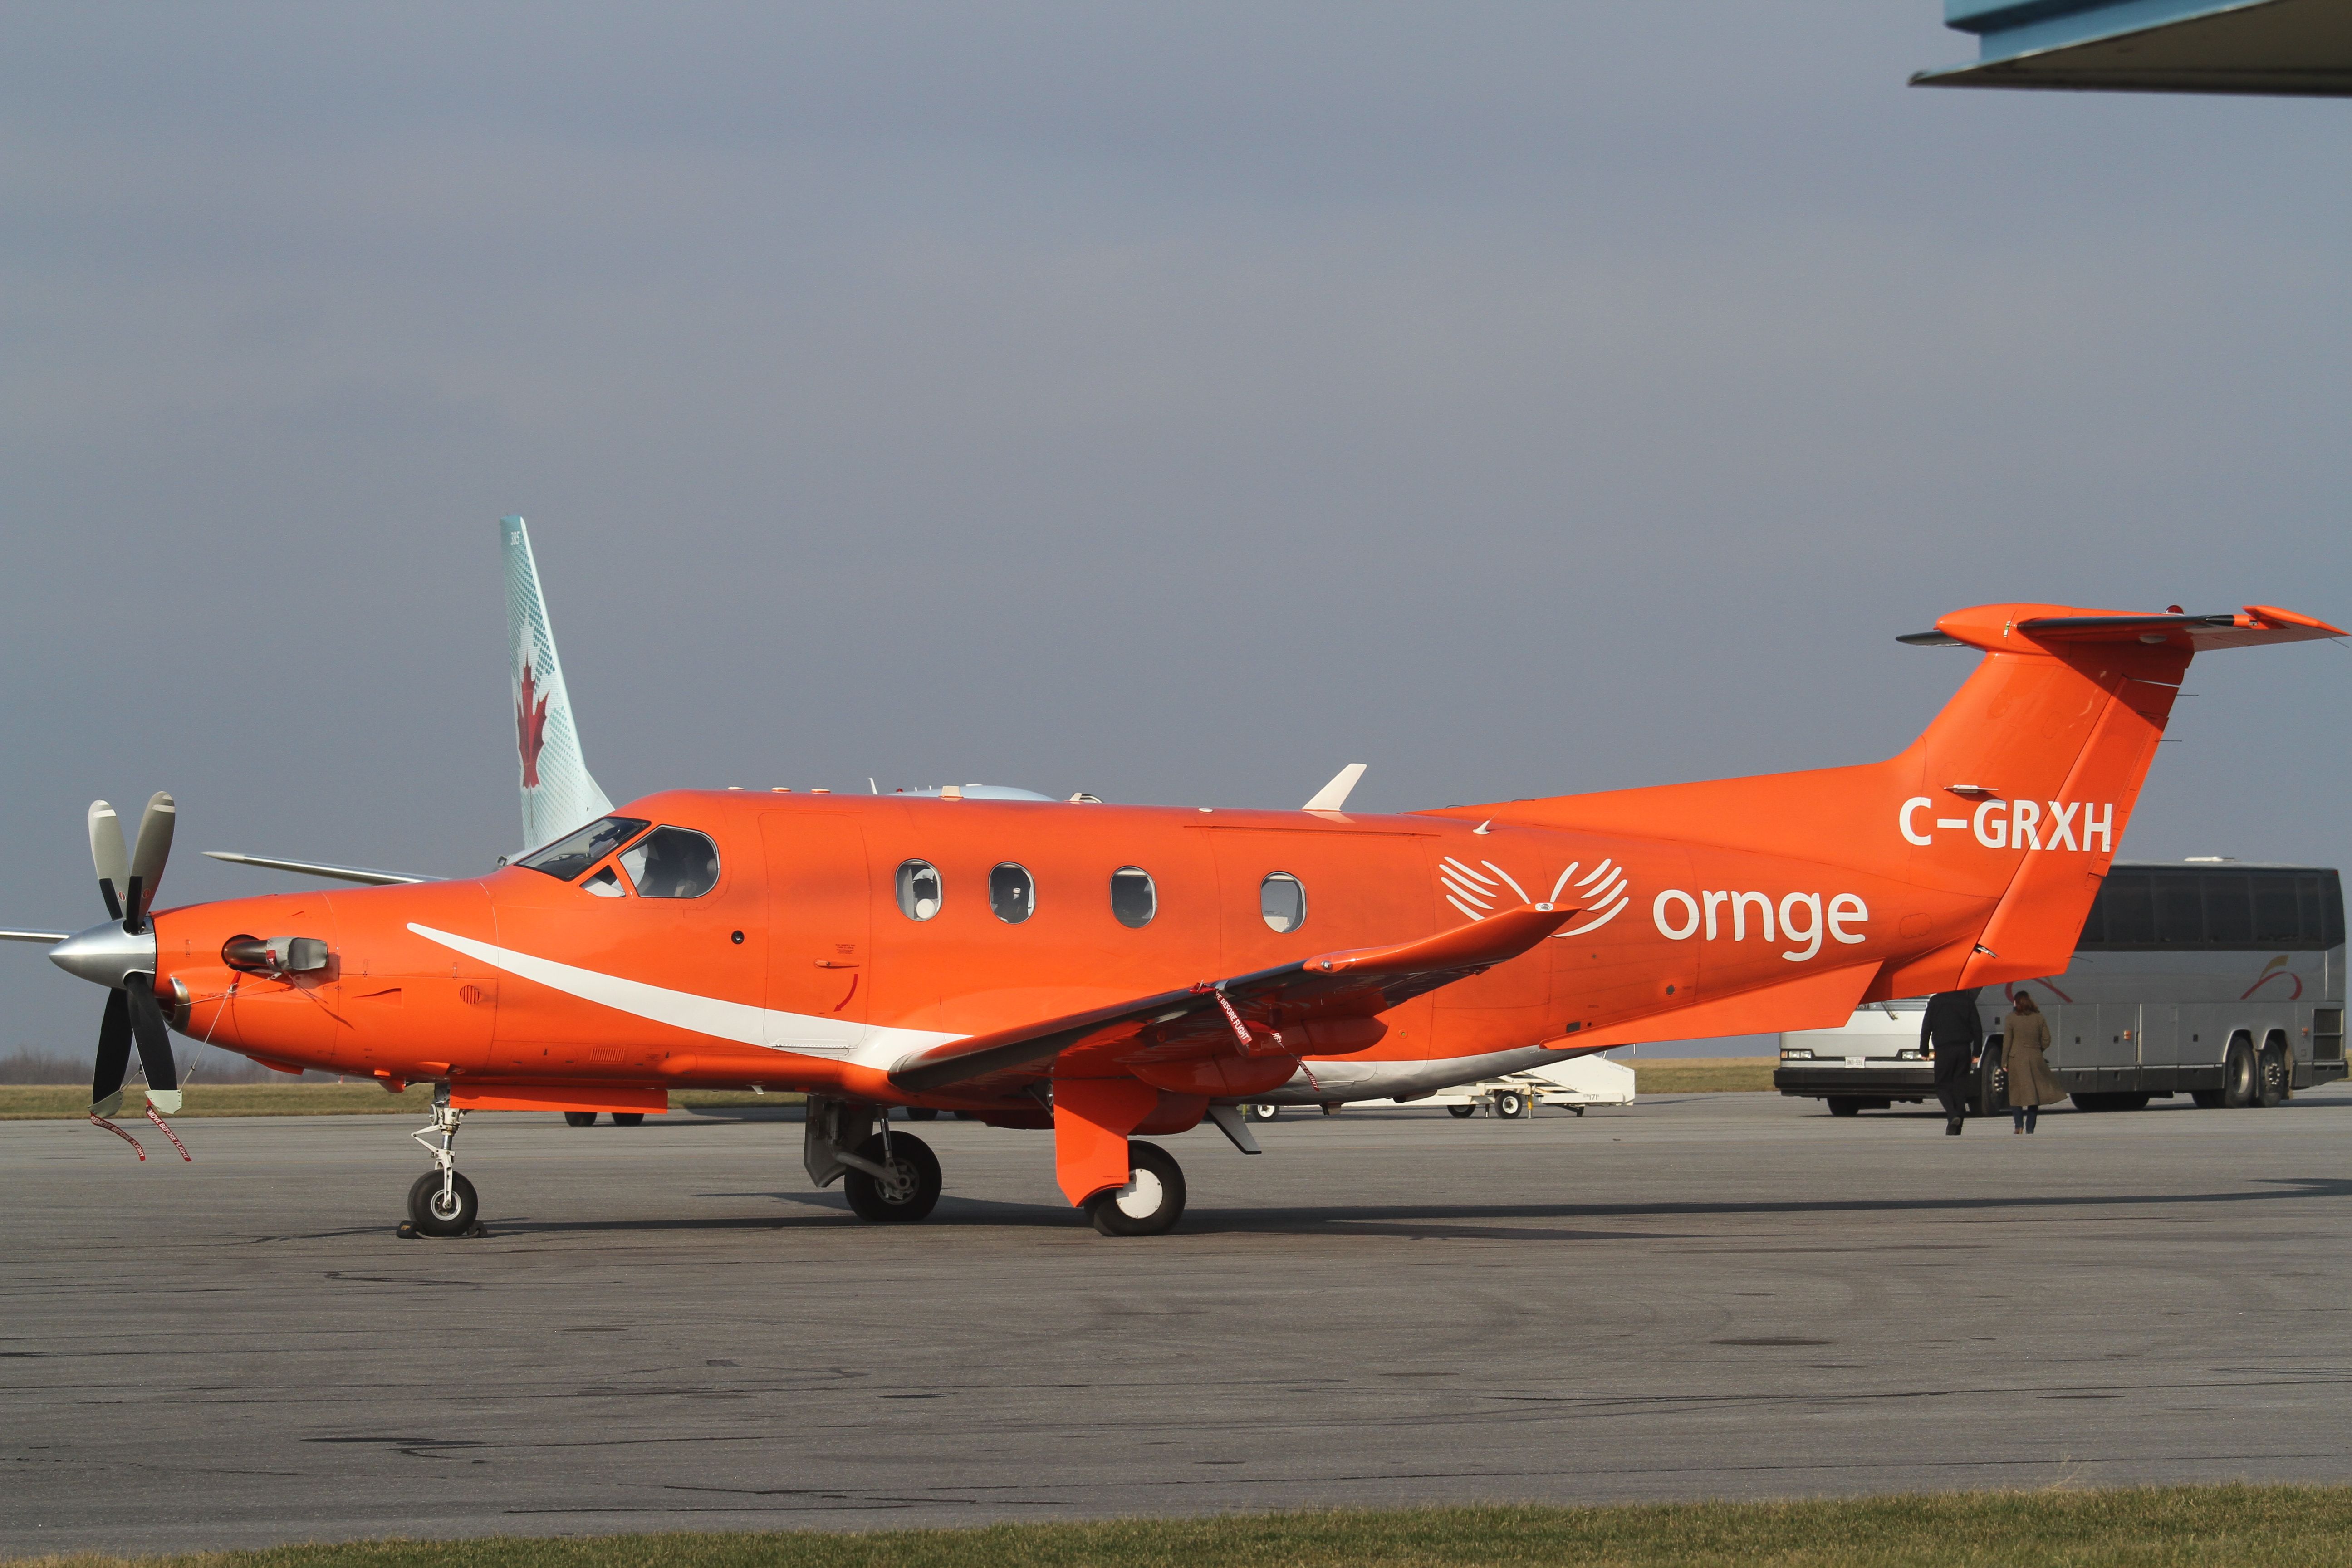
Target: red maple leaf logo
[[530, 727]]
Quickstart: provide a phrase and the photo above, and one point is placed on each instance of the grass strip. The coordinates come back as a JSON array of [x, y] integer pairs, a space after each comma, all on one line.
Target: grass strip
[[1702, 1075], [2168, 1527]]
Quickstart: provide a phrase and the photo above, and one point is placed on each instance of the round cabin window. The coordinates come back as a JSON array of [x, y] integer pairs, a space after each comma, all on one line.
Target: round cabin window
[[1133, 899], [1012, 895], [1282, 900], [918, 890]]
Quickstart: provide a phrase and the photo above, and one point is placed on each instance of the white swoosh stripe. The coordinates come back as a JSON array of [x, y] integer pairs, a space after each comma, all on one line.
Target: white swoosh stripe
[[1479, 878], [871, 1044], [1594, 874]]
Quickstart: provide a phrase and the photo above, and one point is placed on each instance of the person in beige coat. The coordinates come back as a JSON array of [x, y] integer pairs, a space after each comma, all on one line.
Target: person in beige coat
[[2025, 1037]]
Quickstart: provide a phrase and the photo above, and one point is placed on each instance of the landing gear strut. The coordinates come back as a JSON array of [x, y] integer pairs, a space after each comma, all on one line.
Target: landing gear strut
[[442, 1203], [889, 1178]]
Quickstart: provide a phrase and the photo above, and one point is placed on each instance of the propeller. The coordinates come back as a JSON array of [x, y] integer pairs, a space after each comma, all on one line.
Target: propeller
[[123, 960]]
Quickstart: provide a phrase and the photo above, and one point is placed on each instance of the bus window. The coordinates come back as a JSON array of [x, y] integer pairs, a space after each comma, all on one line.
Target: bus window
[[2228, 909], [2180, 910], [2130, 915], [2277, 919]]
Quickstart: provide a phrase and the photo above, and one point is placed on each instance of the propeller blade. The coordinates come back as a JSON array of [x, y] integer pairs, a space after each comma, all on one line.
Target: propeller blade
[[147, 858], [106, 854], [154, 1043], [113, 1056]]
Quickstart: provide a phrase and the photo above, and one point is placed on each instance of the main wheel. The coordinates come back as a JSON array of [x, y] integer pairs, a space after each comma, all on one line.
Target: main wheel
[[1151, 1202], [1262, 1111], [434, 1214], [913, 1187], [2241, 1084], [1510, 1104], [580, 1118], [628, 1118], [1842, 1105], [2274, 1075], [1462, 1112], [922, 1114]]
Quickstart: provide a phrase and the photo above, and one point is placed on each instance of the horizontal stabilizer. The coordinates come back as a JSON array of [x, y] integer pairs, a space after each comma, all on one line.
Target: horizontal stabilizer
[[2252, 627], [314, 868], [1356, 983]]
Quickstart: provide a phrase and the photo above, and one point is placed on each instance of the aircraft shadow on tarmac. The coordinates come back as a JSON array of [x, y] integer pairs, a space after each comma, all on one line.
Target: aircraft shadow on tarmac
[[1455, 1221]]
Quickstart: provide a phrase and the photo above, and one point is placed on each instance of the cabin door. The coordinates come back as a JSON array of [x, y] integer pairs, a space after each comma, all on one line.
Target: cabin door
[[820, 913]]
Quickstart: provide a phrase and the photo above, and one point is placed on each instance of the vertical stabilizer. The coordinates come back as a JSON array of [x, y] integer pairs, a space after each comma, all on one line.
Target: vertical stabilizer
[[558, 795]]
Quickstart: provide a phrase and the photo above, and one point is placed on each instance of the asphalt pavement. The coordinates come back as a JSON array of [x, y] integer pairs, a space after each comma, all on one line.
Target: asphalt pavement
[[1711, 1296]]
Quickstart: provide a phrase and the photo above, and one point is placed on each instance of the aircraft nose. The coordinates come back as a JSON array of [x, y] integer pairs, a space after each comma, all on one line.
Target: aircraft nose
[[104, 953]]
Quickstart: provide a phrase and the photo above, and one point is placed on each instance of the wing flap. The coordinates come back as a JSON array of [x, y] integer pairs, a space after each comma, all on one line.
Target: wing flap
[[1359, 982]]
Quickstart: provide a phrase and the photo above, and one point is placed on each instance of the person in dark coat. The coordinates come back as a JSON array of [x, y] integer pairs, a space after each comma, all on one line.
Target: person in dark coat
[[1955, 1034]]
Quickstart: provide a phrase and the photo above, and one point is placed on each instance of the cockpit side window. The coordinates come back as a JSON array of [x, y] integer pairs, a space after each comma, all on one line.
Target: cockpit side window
[[672, 863], [566, 858]]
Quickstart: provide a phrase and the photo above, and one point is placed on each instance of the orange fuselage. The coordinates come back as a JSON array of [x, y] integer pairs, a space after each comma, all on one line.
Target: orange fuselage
[[799, 970]]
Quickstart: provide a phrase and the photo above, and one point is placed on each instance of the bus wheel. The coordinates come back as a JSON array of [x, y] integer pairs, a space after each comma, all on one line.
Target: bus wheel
[[1841, 1105], [1994, 1084], [2274, 1078], [2239, 1084], [2205, 1098], [2134, 1101]]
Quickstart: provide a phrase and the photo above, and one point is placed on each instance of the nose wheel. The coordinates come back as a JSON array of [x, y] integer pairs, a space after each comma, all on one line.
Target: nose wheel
[[441, 1203]]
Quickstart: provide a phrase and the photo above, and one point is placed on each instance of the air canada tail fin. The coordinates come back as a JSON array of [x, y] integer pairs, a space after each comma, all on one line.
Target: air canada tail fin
[[558, 795], [2008, 808]]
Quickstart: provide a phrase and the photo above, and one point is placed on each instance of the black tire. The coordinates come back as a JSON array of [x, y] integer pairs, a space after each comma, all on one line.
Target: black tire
[[628, 1118], [1151, 1202], [1510, 1104], [2205, 1098], [580, 1118], [919, 1169], [1992, 1084], [1843, 1105], [424, 1207], [1462, 1112], [2087, 1100], [922, 1114], [2273, 1074], [2132, 1100], [2241, 1080]]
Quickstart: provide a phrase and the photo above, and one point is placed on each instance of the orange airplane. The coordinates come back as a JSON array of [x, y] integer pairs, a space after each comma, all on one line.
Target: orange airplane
[[1108, 974]]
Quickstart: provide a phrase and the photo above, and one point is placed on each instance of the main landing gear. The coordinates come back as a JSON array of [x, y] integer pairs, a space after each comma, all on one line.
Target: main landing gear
[[1151, 1202], [442, 1203], [889, 1178]]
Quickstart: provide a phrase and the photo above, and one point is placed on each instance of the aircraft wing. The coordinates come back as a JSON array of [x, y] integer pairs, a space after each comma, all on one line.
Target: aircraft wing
[[1356, 983], [315, 868]]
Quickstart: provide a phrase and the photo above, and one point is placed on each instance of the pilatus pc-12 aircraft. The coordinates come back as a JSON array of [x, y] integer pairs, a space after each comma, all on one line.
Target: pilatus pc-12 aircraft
[[1108, 974]]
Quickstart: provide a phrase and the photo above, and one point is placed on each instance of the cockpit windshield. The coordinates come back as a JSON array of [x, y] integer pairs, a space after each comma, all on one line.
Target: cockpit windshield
[[567, 858]]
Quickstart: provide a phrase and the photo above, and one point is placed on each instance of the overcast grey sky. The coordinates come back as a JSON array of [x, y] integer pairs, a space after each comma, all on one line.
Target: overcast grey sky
[[1174, 401]]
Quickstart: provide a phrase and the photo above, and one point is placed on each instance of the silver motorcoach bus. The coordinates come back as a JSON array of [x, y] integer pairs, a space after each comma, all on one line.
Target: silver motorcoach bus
[[2215, 979]]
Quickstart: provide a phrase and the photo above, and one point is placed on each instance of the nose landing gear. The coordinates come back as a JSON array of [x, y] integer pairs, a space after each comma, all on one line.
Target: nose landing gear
[[442, 1203]]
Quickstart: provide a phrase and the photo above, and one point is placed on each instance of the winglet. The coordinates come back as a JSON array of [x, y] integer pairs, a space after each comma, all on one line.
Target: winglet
[[1333, 796], [558, 795]]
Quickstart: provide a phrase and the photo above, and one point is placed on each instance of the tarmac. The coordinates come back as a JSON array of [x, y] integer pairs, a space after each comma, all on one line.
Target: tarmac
[[666, 1328]]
